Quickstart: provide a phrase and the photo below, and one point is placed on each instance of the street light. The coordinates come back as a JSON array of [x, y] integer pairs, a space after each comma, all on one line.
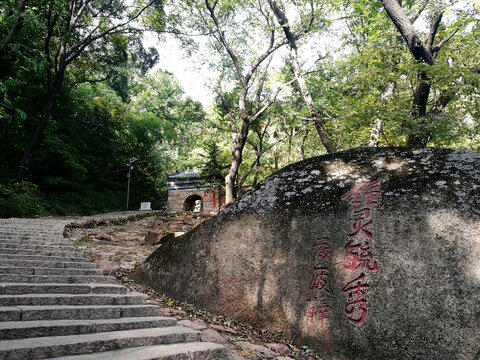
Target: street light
[[130, 167]]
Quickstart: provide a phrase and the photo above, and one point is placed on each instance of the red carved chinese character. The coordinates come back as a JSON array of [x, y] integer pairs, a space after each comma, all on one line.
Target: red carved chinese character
[[310, 317], [321, 250], [356, 192], [322, 299], [318, 281], [353, 260], [356, 305], [371, 191], [359, 225], [322, 314]]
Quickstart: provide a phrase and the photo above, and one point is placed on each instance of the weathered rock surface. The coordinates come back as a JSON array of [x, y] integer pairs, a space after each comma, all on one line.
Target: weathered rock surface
[[363, 254]]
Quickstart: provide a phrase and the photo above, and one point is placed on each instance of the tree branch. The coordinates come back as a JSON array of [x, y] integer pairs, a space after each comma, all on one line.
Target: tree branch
[[223, 41], [437, 48], [87, 81], [257, 158], [264, 108], [405, 27], [419, 12], [433, 30], [78, 48], [16, 26]]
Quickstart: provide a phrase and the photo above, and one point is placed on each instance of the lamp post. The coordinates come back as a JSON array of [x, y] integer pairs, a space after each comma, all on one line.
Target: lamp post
[[130, 167]]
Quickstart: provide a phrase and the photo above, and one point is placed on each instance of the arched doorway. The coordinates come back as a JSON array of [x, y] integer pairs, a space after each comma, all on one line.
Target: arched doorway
[[189, 203]]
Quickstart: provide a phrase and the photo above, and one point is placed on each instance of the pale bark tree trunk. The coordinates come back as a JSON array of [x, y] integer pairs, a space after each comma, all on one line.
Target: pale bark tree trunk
[[246, 118], [375, 134], [302, 145], [237, 151], [300, 79]]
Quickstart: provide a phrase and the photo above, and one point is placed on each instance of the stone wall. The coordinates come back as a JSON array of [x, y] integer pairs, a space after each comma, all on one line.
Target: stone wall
[[363, 254]]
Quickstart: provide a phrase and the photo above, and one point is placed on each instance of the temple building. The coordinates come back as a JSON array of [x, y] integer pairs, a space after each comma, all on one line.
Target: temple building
[[185, 187]]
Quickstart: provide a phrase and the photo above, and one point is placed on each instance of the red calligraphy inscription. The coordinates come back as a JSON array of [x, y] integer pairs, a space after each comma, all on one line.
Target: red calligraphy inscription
[[361, 222], [358, 255], [355, 308], [369, 191], [318, 306], [321, 250], [319, 279], [310, 318]]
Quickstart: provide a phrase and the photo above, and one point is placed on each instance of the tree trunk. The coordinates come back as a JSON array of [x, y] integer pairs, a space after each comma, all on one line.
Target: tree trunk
[[302, 145], [256, 172], [424, 53], [237, 150], [419, 137], [299, 78], [307, 99], [375, 134], [36, 138]]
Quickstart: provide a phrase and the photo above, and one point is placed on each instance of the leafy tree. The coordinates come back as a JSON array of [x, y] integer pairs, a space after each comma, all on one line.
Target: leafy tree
[[213, 170], [244, 37], [424, 54], [308, 24], [67, 31]]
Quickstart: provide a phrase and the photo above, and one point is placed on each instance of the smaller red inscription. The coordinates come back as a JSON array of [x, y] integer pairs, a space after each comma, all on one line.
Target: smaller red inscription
[[355, 308], [322, 314], [321, 250], [318, 280], [310, 318], [317, 308]]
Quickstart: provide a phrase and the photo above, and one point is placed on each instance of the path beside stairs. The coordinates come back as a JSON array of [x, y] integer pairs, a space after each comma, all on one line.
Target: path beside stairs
[[55, 304]]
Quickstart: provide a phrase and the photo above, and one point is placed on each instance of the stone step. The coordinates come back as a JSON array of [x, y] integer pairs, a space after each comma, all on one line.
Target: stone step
[[35, 240], [61, 279], [60, 312], [72, 257], [32, 237], [49, 264], [187, 351], [72, 299], [57, 346], [55, 288], [4, 252], [36, 246], [48, 271], [10, 330], [23, 234]]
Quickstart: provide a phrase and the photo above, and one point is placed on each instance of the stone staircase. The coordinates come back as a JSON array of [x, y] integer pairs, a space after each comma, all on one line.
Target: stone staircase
[[55, 304]]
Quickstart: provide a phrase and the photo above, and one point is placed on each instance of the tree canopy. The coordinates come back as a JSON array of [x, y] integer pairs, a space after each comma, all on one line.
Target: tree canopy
[[80, 94]]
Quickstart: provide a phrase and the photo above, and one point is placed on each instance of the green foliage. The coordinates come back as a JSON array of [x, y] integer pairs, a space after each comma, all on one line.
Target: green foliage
[[112, 106], [214, 166], [21, 200]]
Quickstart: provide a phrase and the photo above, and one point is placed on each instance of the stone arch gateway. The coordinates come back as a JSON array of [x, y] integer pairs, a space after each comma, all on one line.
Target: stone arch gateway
[[189, 203], [186, 185], [371, 253]]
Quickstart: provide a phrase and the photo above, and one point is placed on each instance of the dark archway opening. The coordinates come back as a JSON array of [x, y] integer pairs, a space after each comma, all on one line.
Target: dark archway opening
[[189, 203]]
